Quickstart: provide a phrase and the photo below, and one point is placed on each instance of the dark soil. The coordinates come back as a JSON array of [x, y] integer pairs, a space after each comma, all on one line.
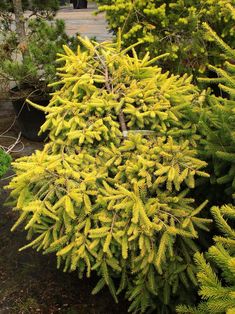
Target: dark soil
[[29, 281]]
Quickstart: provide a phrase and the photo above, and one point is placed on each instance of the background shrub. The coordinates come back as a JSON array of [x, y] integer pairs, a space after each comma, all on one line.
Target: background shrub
[[174, 27], [37, 68]]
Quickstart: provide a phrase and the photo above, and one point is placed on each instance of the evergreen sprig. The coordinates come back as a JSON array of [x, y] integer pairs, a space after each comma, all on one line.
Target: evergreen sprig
[[217, 278]]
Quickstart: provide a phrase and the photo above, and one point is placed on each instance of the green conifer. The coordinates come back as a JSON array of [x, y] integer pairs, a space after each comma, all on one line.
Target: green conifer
[[217, 120], [217, 123], [38, 66], [217, 278]]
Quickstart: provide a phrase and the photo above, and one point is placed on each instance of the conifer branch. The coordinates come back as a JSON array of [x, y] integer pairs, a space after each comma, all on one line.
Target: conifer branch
[[122, 122], [121, 117]]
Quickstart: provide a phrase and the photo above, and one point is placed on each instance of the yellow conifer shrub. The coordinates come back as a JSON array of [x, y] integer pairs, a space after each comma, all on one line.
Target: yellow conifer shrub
[[108, 192]]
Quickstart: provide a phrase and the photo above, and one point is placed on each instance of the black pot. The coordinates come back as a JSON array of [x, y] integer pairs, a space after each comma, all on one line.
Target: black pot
[[80, 4], [29, 118]]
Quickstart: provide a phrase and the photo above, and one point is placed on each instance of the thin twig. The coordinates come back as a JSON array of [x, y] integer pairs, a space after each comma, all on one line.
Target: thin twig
[[113, 222], [121, 117], [122, 122], [10, 148]]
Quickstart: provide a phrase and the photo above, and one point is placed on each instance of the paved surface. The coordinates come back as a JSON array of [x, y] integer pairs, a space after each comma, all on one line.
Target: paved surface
[[85, 22]]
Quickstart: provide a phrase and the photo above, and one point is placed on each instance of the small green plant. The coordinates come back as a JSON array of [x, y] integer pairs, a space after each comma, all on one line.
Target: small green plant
[[217, 278], [108, 193], [174, 27], [5, 161]]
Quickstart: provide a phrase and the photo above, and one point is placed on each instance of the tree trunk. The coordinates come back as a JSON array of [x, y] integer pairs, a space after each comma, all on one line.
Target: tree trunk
[[19, 20]]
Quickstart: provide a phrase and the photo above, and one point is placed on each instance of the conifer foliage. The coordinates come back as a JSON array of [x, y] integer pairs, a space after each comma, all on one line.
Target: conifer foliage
[[108, 193], [217, 279], [217, 120], [173, 26]]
